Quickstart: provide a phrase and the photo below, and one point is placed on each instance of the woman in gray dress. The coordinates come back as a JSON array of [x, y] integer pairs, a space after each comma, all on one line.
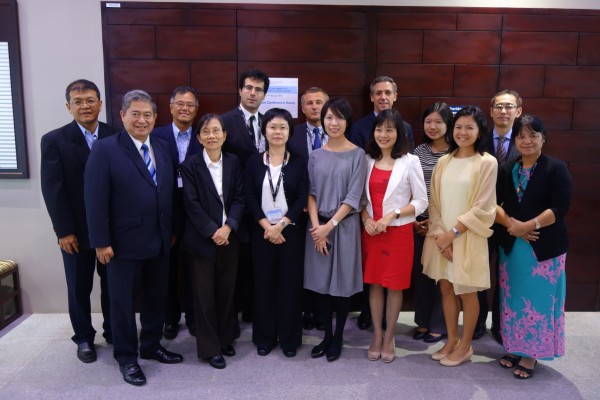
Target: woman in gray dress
[[332, 266]]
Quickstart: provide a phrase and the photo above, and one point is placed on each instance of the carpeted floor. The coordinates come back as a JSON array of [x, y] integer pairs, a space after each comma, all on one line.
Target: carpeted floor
[[38, 361]]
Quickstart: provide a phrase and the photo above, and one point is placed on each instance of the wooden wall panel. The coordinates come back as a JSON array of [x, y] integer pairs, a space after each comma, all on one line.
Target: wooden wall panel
[[458, 55], [196, 43], [452, 47], [553, 48]]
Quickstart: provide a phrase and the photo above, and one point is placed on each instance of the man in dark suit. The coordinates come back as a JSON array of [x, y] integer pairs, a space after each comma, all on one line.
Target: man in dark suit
[[64, 154], [505, 107], [181, 140], [243, 125], [129, 185], [309, 135], [384, 92]]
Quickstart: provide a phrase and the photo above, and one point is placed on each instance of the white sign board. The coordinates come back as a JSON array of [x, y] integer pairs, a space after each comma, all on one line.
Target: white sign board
[[283, 93]]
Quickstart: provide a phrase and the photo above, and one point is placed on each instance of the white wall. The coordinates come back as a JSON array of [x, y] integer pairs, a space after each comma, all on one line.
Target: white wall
[[61, 40]]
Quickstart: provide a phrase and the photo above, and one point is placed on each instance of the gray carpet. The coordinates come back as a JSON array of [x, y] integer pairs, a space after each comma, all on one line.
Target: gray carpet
[[38, 361]]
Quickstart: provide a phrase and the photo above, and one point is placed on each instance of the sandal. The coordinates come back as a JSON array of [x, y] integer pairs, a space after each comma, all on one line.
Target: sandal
[[509, 358], [528, 371]]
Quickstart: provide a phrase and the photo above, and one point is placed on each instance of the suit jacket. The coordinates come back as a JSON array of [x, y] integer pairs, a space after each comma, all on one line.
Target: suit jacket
[[406, 185], [203, 205], [64, 156], [239, 141], [165, 133], [125, 208], [550, 187], [361, 132], [490, 147], [295, 186], [297, 143]]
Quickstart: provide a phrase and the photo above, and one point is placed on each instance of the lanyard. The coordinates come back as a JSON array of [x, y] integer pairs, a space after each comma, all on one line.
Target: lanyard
[[275, 190]]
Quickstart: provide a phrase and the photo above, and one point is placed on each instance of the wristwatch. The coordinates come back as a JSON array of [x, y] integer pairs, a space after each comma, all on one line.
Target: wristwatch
[[456, 232], [334, 222], [397, 212], [283, 223], [537, 223]]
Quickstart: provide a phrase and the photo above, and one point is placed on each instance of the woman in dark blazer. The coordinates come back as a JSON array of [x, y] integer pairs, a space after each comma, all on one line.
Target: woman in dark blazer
[[213, 197], [277, 192], [534, 194]]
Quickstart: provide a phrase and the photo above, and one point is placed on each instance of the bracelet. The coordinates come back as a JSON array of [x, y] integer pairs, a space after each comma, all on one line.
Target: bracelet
[[537, 223]]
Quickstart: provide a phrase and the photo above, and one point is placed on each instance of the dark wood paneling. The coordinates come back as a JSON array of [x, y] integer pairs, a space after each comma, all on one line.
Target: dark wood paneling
[[527, 80], [553, 48], [215, 76], [575, 82], [196, 43], [585, 115], [293, 44], [588, 52], [325, 19], [449, 47], [131, 42], [556, 113], [261, 19], [475, 80], [152, 75], [211, 17], [420, 79], [410, 109], [573, 146], [395, 46], [429, 21], [479, 22], [581, 296], [551, 23], [125, 16]]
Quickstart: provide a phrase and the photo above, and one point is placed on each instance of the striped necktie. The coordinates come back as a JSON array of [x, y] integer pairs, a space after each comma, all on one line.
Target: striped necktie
[[148, 162], [500, 152]]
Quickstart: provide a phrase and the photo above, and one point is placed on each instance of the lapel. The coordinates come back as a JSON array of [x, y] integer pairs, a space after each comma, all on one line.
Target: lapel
[[136, 158], [370, 165], [204, 173], [80, 146], [159, 163], [397, 173], [227, 173], [194, 145]]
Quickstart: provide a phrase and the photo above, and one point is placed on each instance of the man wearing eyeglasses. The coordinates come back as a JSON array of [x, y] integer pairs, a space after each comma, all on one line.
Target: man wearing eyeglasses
[[181, 140], [64, 155], [244, 138], [505, 107]]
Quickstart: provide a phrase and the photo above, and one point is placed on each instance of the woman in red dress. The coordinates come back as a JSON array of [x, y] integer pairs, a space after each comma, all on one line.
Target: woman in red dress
[[394, 194]]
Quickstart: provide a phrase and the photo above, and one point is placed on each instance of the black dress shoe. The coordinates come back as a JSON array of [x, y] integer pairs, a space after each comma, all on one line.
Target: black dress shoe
[[433, 339], [364, 320], [307, 321], [170, 331], [86, 352], [334, 351], [320, 349], [263, 350], [496, 334], [420, 335], [217, 362], [133, 374], [289, 353], [162, 355], [479, 331], [228, 350]]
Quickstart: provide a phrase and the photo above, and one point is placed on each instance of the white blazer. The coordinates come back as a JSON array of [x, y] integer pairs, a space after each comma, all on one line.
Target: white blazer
[[406, 185]]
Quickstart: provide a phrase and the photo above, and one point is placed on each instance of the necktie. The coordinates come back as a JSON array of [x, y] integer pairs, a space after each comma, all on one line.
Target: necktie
[[316, 139], [500, 152], [148, 162], [181, 145], [251, 129]]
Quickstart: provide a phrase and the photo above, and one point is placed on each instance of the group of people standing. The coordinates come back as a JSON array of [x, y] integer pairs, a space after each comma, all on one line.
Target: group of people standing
[[299, 218]]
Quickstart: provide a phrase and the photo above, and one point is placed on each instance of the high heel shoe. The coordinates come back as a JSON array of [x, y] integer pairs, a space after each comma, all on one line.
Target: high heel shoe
[[446, 362], [389, 357], [373, 355], [438, 355]]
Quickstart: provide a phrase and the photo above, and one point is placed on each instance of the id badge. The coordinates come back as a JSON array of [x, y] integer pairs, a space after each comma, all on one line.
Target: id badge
[[274, 216], [179, 182]]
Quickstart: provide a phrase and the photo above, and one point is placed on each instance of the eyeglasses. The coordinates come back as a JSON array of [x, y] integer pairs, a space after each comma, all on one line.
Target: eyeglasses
[[250, 88], [282, 128], [181, 104], [504, 106], [78, 103]]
